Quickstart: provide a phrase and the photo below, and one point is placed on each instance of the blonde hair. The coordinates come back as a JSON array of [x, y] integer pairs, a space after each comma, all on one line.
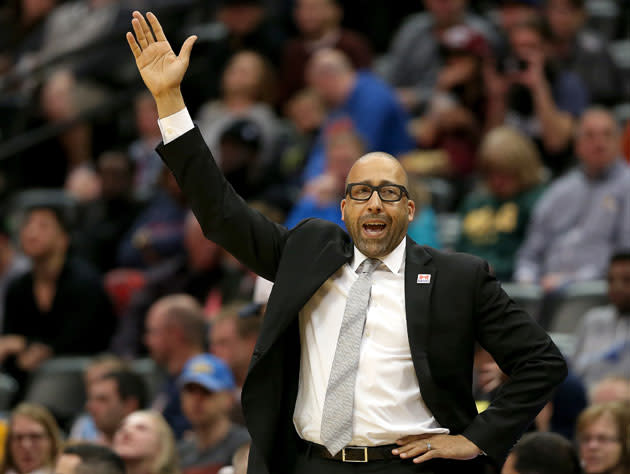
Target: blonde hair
[[166, 462], [42, 416], [620, 413], [506, 149]]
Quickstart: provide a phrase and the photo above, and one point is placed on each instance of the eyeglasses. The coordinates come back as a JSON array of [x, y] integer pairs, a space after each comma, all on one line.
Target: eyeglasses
[[387, 192], [600, 439]]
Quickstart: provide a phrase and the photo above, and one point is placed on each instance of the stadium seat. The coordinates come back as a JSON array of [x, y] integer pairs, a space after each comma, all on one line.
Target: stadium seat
[[58, 385], [576, 300]]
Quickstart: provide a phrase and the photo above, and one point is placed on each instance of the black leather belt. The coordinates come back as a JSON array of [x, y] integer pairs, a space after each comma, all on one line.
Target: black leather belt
[[354, 453]]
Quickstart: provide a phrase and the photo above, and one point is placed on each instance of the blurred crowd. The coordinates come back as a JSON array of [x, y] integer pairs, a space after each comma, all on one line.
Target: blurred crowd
[[125, 335]]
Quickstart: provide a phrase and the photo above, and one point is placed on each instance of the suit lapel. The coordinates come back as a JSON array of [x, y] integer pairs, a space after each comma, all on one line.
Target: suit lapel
[[418, 265], [296, 286]]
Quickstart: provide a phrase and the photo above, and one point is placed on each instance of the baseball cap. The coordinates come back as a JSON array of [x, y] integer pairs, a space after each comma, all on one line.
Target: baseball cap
[[208, 371], [245, 132]]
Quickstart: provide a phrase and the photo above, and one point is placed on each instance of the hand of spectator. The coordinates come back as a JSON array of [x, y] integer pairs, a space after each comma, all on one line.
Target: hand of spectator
[[496, 84], [161, 70], [534, 75], [10, 345], [490, 376], [407, 98], [33, 356], [425, 447]]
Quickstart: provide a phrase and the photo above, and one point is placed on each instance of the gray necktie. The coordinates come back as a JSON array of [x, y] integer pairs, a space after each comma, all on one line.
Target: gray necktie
[[336, 429]]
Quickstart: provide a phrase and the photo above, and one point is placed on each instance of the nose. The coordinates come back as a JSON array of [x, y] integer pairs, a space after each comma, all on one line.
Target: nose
[[375, 204]]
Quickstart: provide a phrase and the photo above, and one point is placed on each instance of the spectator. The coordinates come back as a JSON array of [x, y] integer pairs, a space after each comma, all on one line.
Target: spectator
[[602, 435], [207, 394], [147, 163], [495, 218], [12, 265], [83, 428], [233, 335], [175, 332], [365, 100], [106, 219], [414, 62], [584, 217], [319, 26], [87, 458], [612, 388], [111, 398], [526, 91], [513, 12], [60, 306], [33, 441], [204, 273], [603, 336], [456, 112], [157, 232], [542, 453], [582, 51], [247, 92], [145, 443], [321, 195]]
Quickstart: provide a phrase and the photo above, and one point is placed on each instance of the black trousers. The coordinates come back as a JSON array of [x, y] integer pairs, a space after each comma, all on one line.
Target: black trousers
[[308, 463]]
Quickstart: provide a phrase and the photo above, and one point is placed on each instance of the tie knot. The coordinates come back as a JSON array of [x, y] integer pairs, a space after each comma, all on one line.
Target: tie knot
[[368, 265]]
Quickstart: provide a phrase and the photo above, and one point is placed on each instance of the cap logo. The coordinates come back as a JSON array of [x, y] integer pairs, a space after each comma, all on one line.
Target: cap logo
[[202, 368]]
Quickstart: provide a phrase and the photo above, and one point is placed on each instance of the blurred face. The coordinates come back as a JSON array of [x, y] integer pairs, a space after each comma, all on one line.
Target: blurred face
[[315, 17], [241, 19], [446, 12], [563, 18], [340, 156], [243, 74], [224, 341], [306, 112], [157, 335], [377, 227], [202, 407], [116, 178], [597, 142], [501, 183], [525, 42], [514, 14], [619, 285], [105, 406], [67, 464], [30, 445], [600, 447], [147, 117], [137, 438], [323, 75], [42, 235]]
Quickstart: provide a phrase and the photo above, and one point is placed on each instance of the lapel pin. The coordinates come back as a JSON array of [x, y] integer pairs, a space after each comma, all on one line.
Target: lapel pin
[[424, 278]]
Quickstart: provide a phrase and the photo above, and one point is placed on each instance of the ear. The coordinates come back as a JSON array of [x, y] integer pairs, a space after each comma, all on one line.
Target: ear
[[411, 209], [343, 205]]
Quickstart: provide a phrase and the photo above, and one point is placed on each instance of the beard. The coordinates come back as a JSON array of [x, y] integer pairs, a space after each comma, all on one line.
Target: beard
[[381, 246]]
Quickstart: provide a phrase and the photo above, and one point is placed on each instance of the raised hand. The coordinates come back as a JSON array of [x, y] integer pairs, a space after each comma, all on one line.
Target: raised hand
[[162, 71]]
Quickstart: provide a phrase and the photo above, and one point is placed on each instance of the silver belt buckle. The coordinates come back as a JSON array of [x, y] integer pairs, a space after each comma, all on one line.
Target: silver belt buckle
[[353, 448]]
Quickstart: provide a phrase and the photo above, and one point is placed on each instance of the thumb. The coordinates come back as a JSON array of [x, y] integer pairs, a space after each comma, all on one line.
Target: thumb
[[184, 53]]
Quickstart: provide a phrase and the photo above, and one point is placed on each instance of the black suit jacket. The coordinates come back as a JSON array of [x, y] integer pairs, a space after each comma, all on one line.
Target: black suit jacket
[[462, 304]]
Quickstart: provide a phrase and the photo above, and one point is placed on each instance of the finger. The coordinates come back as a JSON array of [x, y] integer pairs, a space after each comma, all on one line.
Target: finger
[[415, 451], [135, 49], [184, 53], [405, 448], [410, 438], [427, 456], [146, 29], [157, 28], [137, 29]]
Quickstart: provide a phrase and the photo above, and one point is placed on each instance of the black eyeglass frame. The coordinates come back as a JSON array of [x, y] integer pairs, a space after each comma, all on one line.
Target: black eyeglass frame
[[378, 190]]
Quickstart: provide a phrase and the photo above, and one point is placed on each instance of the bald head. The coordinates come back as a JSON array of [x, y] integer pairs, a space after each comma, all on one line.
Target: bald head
[[376, 161], [330, 73]]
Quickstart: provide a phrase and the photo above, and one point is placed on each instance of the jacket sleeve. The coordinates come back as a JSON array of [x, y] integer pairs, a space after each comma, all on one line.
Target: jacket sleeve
[[526, 354], [223, 215]]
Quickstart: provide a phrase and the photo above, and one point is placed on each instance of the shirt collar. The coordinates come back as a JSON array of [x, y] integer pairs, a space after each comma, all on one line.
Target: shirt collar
[[394, 260]]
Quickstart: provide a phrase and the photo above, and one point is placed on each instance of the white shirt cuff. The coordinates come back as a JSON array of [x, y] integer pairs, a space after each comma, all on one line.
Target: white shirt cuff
[[174, 126]]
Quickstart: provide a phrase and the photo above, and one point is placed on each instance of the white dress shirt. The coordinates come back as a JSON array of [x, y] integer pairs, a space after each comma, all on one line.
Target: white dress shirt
[[387, 404]]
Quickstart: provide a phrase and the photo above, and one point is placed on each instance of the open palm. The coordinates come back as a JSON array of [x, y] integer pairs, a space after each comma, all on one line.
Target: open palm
[[160, 68]]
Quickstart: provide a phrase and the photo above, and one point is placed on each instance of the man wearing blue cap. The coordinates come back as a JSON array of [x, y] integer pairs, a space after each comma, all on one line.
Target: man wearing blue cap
[[207, 396]]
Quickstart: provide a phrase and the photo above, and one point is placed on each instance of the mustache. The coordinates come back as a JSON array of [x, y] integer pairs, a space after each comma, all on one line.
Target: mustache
[[371, 217]]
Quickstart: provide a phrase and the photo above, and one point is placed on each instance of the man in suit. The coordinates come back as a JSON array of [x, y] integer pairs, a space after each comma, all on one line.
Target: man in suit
[[412, 408]]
